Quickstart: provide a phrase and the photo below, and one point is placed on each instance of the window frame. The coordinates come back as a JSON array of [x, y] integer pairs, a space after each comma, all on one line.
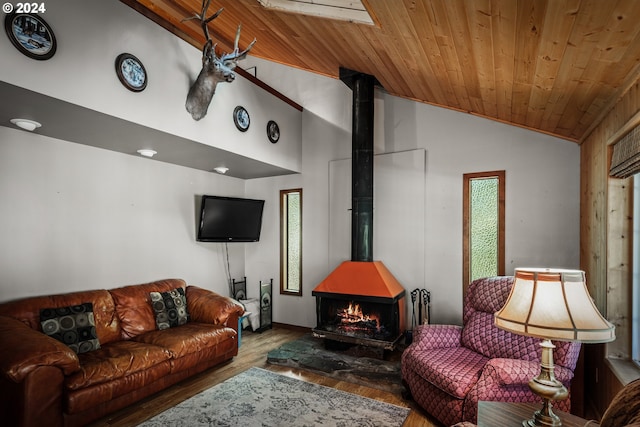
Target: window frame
[[284, 242], [466, 216]]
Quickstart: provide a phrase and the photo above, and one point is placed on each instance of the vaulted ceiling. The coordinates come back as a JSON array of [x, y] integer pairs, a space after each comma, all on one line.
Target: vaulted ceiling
[[555, 66]]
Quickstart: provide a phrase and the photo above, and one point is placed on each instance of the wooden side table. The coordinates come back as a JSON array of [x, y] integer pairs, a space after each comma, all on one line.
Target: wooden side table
[[505, 414]]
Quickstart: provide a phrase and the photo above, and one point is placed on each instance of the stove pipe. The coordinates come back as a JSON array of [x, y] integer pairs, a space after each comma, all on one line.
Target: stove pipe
[[362, 86]]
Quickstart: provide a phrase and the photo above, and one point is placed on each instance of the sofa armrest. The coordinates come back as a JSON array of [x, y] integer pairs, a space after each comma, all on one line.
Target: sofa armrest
[[24, 349], [209, 307], [517, 372], [427, 337]]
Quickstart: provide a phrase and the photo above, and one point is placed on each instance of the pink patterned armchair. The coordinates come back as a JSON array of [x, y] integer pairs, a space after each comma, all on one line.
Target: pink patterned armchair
[[448, 369]]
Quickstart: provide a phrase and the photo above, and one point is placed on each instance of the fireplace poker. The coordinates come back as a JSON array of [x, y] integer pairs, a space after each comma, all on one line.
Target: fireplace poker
[[426, 300], [414, 294]]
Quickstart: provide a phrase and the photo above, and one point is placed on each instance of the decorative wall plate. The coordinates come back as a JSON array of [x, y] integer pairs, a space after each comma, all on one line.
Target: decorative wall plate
[[241, 118], [273, 131], [31, 35], [131, 72]]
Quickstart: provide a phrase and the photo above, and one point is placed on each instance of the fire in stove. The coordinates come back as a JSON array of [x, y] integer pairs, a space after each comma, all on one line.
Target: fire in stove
[[358, 319], [353, 319]]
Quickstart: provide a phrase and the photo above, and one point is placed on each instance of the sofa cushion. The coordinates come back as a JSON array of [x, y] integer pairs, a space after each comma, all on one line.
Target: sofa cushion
[[115, 360], [133, 305], [27, 310], [190, 338], [170, 308], [73, 325], [453, 370]]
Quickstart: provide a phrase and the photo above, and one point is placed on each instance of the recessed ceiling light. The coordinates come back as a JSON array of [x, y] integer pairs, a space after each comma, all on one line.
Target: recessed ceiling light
[[147, 152], [26, 124], [221, 170]]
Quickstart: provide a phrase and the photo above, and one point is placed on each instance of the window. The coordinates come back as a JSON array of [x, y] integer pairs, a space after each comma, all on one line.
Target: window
[[291, 242], [483, 226], [635, 292]]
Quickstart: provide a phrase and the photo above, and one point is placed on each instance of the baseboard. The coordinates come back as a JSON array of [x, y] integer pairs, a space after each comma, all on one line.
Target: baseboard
[[291, 327]]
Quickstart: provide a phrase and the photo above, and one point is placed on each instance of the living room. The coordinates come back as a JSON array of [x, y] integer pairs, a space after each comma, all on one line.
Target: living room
[[77, 216]]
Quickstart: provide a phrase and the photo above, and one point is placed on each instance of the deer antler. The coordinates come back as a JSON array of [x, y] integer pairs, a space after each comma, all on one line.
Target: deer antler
[[214, 69], [236, 55]]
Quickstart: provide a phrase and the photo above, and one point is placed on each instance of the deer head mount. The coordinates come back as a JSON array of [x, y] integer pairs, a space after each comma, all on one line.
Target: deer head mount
[[215, 68]]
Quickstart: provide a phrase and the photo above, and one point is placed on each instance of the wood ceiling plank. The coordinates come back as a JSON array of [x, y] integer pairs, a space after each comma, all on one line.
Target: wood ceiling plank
[[461, 37], [529, 23], [503, 25], [479, 20], [403, 53], [574, 71], [446, 45], [629, 81], [509, 60], [558, 23], [608, 59], [333, 45], [433, 68]]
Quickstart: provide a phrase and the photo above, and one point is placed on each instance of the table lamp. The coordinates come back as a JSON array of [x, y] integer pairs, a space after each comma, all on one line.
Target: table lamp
[[551, 304]]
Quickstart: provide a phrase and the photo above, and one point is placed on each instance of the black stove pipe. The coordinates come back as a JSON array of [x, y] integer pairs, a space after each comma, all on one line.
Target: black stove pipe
[[362, 86]]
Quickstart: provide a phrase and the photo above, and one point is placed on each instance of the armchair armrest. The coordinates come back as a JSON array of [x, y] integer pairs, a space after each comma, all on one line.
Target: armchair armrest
[[518, 372], [209, 307], [24, 349], [427, 337]]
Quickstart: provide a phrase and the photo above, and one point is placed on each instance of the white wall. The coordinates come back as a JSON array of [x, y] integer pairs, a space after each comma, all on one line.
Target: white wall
[[91, 34], [74, 217], [542, 189], [542, 175]]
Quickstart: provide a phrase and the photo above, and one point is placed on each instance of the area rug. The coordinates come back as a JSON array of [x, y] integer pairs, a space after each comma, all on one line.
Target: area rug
[[354, 364], [258, 397]]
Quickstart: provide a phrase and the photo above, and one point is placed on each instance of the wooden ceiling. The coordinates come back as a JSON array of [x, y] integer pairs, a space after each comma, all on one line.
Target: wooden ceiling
[[555, 66]]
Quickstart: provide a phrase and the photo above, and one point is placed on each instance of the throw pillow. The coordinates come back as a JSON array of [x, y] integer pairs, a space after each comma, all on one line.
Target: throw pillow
[[170, 308], [73, 325]]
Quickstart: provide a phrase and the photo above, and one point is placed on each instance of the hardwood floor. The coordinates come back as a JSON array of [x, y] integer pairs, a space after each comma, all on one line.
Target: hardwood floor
[[253, 352]]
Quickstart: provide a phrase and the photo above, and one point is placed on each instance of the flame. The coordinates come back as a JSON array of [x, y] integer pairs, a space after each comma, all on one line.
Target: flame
[[353, 314]]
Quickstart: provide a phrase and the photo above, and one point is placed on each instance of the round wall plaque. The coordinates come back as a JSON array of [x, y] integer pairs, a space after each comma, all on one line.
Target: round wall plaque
[[241, 118], [131, 72], [30, 34], [273, 131]]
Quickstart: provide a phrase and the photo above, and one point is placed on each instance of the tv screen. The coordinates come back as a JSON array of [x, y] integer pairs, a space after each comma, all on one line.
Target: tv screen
[[230, 219]]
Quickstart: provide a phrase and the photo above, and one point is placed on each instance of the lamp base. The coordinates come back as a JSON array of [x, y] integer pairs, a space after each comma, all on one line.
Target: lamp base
[[543, 420], [548, 388]]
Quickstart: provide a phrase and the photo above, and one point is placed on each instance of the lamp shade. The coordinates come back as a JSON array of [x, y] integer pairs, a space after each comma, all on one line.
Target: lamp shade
[[553, 304]]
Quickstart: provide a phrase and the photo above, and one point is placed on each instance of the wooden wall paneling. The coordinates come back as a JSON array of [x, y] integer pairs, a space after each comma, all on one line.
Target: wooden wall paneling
[[619, 256], [605, 233]]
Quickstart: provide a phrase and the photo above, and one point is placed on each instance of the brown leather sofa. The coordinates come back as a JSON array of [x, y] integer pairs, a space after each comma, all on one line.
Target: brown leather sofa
[[44, 382]]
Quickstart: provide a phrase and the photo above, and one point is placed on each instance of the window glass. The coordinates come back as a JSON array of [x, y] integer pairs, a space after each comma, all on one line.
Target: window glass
[[483, 228], [291, 241], [635, 293]]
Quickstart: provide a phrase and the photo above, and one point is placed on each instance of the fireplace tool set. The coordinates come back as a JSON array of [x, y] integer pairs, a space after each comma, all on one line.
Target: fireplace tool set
[[422, 299]]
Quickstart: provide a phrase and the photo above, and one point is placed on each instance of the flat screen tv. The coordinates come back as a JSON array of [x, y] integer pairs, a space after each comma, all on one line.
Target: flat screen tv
[[230, 219]]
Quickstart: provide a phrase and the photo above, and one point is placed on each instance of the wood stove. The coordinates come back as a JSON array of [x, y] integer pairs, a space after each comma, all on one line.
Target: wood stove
[[361, 302]]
